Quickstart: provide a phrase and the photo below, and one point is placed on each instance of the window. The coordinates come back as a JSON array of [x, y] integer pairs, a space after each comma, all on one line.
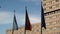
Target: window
[[53, 12], [56, 11], [45, 14], [57, 0], [49, 13], [44, 4], [50, 7]]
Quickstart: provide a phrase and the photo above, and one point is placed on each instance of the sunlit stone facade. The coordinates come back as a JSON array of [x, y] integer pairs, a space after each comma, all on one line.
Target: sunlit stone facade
[[52, 19]]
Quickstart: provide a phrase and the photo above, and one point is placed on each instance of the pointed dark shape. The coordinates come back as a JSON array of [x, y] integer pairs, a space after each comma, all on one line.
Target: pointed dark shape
[[15, 25], [27, 22], [43, 24]]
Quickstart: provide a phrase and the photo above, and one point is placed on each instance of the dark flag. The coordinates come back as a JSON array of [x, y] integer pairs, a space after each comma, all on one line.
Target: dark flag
[[42, 18], [27, 22], [15, 25]]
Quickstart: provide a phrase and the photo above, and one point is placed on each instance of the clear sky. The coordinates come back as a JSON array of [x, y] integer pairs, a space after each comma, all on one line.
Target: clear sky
[[7, 11]]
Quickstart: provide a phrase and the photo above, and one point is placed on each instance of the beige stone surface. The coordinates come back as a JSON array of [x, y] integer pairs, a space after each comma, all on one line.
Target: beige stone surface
[[52, 20]]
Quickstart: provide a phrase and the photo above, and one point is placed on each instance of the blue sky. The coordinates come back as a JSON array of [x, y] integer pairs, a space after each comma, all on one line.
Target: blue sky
[[7, 11]]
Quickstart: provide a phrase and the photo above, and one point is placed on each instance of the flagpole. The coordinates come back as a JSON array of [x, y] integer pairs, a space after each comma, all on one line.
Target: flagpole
[[25, 23], [12, 31], [25, 32], [12, 28], [41, 28], [41, 19]]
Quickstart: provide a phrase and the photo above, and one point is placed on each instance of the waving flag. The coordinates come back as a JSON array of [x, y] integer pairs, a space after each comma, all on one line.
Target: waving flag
[[43, 24], [27, 22], [15, 25]]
